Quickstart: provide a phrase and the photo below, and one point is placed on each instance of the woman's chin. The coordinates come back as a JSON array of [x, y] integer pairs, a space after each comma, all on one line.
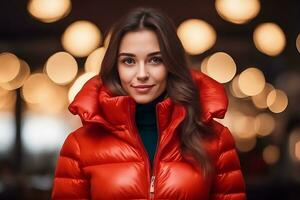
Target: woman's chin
[[143, 99]]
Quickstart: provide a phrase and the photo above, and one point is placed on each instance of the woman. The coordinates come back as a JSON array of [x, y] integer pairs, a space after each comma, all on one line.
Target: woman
[[148, 130]]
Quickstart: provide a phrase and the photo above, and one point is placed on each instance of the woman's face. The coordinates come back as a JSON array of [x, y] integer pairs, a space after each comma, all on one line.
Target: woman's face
[[141, 69]]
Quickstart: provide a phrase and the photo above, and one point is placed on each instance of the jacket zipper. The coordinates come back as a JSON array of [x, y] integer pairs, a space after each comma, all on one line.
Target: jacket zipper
[[144, 151], [151, 170], [152, 187], [156, 156], [152, 182]]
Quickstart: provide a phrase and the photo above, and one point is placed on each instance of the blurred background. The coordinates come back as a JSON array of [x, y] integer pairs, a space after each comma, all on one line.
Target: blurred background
[[50, 48]]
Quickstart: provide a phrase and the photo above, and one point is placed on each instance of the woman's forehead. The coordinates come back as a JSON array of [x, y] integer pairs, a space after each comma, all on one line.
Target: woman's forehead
[[139, 42]]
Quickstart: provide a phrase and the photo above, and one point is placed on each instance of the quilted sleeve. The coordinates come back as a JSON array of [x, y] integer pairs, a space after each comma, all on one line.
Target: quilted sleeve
[[229, 182], [69, 180]]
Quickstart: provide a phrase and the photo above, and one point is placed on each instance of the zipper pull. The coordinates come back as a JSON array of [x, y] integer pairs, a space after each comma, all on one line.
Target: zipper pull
[[152, 185]]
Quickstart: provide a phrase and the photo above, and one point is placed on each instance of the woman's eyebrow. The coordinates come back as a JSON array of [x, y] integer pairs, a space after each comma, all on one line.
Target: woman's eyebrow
[[154, 53], [126, 54], [133, 55]]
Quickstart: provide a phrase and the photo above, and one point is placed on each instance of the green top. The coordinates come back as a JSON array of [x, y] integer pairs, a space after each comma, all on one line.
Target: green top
[[146, 123]]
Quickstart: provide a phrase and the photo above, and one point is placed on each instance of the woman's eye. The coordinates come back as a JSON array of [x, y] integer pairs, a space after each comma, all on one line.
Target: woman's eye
[[128, 61], [156, 60]]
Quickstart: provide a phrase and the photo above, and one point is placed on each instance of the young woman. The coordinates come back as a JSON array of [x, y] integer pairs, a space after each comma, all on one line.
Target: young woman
[[148, 130]]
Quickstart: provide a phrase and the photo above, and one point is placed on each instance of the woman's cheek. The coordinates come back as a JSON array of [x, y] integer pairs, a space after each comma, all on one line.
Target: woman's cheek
[[126, 73], [160, 73]]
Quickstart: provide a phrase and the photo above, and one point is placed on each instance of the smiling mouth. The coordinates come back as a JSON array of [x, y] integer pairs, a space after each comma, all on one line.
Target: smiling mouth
[[143, 86], [143, 89]]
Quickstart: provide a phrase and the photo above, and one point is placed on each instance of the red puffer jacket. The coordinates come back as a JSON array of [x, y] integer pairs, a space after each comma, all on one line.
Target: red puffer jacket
[[105, 158]]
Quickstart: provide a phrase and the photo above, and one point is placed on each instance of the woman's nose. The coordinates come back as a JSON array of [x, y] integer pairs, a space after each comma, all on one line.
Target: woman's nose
[[142, 73]]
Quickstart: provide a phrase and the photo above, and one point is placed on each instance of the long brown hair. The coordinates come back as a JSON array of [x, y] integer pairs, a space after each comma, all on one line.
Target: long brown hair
[[180, 86]]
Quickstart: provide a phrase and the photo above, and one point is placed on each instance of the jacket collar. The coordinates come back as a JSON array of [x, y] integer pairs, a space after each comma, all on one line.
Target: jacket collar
[[95, 103]]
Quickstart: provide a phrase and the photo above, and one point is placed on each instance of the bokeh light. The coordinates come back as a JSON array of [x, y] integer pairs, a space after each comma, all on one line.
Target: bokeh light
[[19, 80], [94, 60], [81, 38], [196, 36], [7, 99], [251, 81], [277, 101], [33, 90], [260, 100], [298, 43], [234, 88], [57, 98], [237, 11], [294, 144], [61, 68], [264, 124], [9, 67], [243, 126], [77, 85], [203, 65], [3, 92], [297, 150], [245, 144], [269, 38], [49, 11], [271, 154], [42, 95], [221, 67]]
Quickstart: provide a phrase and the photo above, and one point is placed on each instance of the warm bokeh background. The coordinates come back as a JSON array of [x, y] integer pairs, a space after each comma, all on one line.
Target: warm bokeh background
[[49, 48]]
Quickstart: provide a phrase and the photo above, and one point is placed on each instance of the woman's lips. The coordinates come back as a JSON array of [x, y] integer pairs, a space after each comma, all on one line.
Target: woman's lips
[[143, 88]]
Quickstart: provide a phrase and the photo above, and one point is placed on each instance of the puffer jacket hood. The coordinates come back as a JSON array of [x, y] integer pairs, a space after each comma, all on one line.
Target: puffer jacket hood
[[95, 102], [106, 159]]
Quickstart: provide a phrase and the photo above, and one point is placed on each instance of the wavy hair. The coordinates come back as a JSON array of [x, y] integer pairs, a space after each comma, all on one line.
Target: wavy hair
[[180, 86]]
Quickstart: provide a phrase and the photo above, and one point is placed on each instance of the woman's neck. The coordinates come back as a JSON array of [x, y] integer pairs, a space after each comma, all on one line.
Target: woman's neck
[[152, 104]]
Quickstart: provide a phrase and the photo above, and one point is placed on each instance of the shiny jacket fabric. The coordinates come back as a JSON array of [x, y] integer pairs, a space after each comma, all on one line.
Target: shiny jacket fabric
[[105, 158]]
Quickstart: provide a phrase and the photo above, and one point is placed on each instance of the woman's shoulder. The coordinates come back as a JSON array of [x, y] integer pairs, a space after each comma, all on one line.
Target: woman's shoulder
[[83, 133], [219, 131], [77, 141], [220, 139]]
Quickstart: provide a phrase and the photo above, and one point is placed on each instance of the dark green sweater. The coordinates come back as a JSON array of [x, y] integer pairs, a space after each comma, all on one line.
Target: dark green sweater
[[146, 123]]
